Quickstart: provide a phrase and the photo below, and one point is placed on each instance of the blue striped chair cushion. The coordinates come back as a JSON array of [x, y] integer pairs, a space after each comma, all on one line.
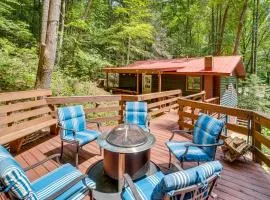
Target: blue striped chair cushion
[[4, 153], [72, 117], [57, 179], [145, 187], [195, 175], [157, 185], [13, 179], [136, 113], [206, 131], [193, 154], [83, 137]]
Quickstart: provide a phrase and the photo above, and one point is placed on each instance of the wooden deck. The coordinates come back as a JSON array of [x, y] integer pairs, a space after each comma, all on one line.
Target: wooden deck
[[240, 180]]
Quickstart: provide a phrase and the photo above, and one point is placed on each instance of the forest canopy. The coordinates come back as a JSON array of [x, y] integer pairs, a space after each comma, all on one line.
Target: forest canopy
[[93, 34]]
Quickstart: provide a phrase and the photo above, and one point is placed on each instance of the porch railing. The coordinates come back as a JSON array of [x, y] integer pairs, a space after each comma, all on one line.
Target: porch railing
[[110, 108], [255, 128]]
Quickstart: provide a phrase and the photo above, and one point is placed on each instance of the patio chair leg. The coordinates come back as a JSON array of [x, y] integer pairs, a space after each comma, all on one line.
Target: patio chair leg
[[182, 163], [91, 195], [62, 149], [170, 160], [100, 151], [77, 156]]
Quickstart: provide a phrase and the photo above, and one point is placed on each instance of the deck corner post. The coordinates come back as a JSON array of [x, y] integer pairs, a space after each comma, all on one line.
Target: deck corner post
[[53, 128], [181, 119], [256, 128]]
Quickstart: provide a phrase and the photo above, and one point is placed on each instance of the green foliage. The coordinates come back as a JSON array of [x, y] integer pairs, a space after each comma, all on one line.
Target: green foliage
[[254, 95], [17, 67], [117, 32]]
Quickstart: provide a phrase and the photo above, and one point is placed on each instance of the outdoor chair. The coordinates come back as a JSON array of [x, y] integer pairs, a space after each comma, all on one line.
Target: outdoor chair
[[206, 134], [136, 113], [72, 127], [194, 183], [65, 182]]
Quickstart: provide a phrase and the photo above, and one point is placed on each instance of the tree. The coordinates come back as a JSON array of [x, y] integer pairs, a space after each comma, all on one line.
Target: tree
[[254, 36], [240, 28], [48, 55]]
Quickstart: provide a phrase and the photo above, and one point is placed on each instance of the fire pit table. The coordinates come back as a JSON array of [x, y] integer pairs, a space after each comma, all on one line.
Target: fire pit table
[[126, 150]]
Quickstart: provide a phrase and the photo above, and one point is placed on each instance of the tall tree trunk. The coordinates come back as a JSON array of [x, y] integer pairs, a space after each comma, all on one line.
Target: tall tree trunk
[[222, 28], [213, 31], [43, 33], [128, 50], [256, 36], [240, 28], [61, 29], [254, 43], [86, 12], [48, 59]]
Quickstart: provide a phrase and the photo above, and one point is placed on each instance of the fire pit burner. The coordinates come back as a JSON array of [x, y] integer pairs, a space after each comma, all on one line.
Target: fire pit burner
[[126, 150], [127, 135]]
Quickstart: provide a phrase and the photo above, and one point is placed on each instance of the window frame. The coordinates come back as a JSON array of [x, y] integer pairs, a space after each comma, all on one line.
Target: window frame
[[196, 89]]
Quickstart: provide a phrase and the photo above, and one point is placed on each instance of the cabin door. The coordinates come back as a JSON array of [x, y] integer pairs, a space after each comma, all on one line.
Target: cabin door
[[146, 83]]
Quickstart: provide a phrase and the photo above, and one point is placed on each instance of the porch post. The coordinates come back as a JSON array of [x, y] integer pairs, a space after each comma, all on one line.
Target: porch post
[[159, 82], [107, 81], [138, 84]]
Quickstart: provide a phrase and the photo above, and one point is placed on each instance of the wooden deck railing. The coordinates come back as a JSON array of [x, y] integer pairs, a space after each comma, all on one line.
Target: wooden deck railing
[[110, 108], [103, 108], [189, 111]]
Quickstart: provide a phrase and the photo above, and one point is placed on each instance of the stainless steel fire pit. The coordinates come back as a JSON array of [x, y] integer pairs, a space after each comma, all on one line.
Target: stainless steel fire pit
[[126, 150]]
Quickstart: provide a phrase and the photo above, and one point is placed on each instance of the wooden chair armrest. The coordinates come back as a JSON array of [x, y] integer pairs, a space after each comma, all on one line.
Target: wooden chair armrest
[[132, 187], [54, 156]]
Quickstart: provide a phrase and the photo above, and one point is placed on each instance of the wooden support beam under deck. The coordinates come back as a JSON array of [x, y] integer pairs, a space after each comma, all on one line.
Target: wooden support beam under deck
[[138, 84]]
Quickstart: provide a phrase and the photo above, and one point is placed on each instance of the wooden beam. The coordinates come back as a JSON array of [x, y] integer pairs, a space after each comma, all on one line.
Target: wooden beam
[[159, 82], [82, 99], [208, 86], [138, 84], [107, 81], [11, 96], [242, 113]]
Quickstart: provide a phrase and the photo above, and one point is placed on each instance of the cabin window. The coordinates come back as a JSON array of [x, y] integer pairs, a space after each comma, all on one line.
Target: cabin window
[[193, 83]]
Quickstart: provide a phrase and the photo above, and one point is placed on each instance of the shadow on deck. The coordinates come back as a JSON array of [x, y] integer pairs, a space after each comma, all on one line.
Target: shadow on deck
[[240, 180]]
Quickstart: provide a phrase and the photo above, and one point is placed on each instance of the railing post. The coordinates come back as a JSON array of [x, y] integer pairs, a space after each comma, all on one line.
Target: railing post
[[121, 111], [203, 96], [53, 128], [256, 127], [181, 118]]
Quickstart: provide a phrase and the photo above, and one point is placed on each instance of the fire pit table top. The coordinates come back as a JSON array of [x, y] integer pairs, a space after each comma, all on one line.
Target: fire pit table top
[[126, 138]]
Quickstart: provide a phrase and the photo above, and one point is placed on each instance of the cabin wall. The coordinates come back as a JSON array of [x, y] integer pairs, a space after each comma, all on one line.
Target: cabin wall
[[129, 82], [171, 82], [228, 91]]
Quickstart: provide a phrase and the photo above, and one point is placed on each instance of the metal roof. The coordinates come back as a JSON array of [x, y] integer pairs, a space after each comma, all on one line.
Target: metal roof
[[222, 65]]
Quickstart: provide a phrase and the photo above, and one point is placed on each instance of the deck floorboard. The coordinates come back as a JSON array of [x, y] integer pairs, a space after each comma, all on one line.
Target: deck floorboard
[[244, 180]]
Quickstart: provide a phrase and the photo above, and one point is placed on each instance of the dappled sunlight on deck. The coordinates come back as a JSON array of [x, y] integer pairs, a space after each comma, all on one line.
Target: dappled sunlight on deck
[[240, 180]]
